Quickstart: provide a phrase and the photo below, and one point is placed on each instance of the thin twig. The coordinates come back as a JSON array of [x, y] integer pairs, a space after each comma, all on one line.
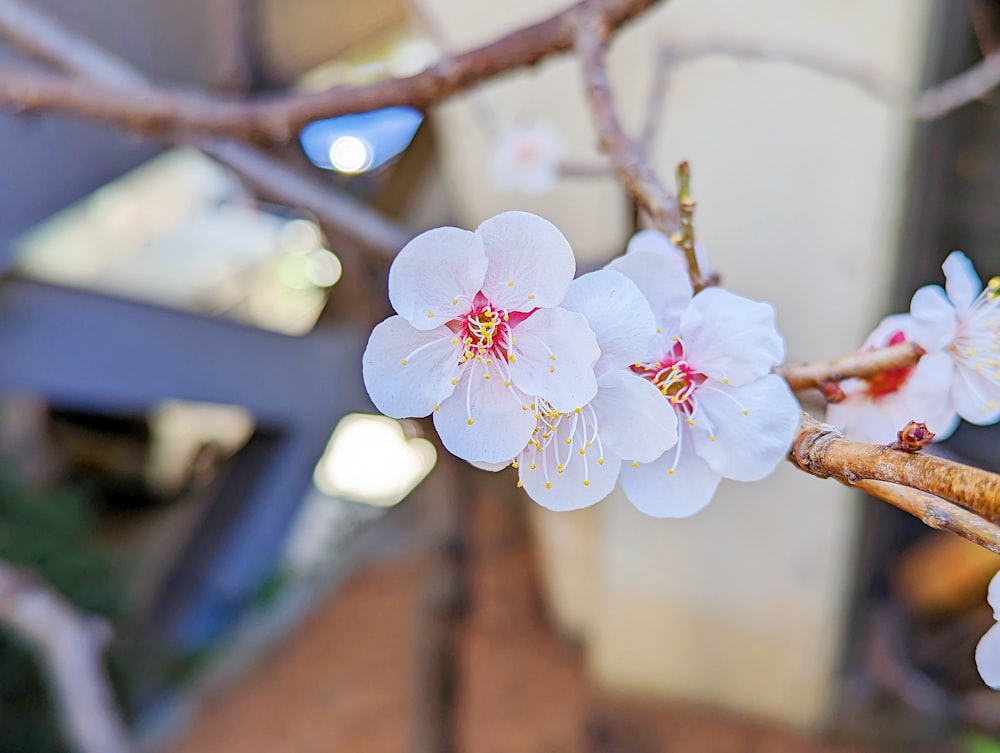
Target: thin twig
[[862, 364], [69, 646], [820, 449], [956, 92], [44, 38], [934, 512], [628, 160], [280, 117]]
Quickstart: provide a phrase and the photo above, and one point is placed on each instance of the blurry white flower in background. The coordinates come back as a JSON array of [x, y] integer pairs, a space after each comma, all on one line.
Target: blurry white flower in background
[[526, 158]]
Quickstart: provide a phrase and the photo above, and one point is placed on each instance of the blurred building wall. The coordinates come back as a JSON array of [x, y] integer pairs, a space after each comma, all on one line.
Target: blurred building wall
[[799, 180]]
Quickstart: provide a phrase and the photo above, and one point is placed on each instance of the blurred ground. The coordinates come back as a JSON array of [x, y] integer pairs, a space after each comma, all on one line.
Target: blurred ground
[[354, 676]]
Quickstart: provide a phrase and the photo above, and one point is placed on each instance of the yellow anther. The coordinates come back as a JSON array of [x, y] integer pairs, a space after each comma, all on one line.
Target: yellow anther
[[712, 437], [519, 484], [486, 376], [600, 461], [970, 352], [506, 383], [513, 464], [552, 369], [471, 421], [524, 407], [635, 464], [582, 450], [670, 472], [454, 341], [690, 421], [437, 407], [454, 382], [513, 359], [548, 484], [531, 297], [576, 410], [533, 406], [430, 314], [403, 362], [532, 466], [551, 357], [659, 331], [725, 380], [454, 301], [510, 284], [561, 468], [586, 483], [569, 440], [746, 413]]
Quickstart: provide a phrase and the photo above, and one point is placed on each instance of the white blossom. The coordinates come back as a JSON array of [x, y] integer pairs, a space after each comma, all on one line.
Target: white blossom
[[959, 328], [988, 649], [710, 362], [573, 458], [525, 158], [478, 329]]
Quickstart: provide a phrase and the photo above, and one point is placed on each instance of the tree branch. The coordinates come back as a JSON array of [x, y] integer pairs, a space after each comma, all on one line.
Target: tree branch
[[280, 117], [628, 160], [69, 646], [862, 364], [45, 39], [820, 449]]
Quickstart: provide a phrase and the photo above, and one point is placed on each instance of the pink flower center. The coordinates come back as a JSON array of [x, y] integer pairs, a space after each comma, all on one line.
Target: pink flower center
[[673, 377], [890, 381]]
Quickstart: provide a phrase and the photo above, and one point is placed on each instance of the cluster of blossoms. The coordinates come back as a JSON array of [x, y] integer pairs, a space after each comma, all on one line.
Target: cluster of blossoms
[[620, 373], [959, 377]]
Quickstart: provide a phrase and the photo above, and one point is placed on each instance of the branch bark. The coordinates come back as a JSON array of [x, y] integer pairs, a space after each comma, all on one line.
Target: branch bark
[[69, 646], [862, 364], [279, 118], [820, 449], [629, 162]]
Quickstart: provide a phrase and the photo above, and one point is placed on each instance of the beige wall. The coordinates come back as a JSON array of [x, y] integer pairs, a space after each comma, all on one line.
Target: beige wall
[[799, 180]]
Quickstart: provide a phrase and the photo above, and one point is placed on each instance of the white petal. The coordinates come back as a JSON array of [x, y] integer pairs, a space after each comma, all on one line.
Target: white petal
[[555, 352], [865, 420], [633, 419], [567, 490], [880, 336], [526, 159], [934, 320], [500, 426], [988, 657], [928, 394], [531, 262], [993, 595], [425, 381], [961, 281], [618, 314], [753, 426], [657, 492], [976, 396], [436, 276], [728, 337], [492, 467], [653, 241], [662, 280]]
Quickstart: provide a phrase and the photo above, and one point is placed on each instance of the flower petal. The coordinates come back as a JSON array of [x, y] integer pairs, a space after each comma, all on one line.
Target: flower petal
[[929, 396], [436, 276], [655, 242], [501, 422], [889, 326], [618, 314], [492, 467], [988, 657], [993, 595], [554, 356], [753, 426], [729, 337], [961, 281], [633, 419], [934, 320], [664, 283], [413, 389], [657, 492], [526, 158], [866, 420], [567, 490], [976, 396], [531, 262]]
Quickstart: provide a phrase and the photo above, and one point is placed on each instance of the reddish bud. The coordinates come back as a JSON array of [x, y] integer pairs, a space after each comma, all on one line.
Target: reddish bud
[[913, 437]]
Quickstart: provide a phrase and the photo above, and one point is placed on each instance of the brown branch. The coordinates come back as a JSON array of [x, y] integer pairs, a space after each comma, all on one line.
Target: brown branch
[[44, 38], [628, 160], [862, 364], [820, 449], [69, 646], [280, 117], [934, 512]]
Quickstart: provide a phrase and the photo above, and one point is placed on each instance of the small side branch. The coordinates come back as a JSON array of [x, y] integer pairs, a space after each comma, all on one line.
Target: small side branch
[[820, 449], [862, 364], [69, 646], [629, 162]]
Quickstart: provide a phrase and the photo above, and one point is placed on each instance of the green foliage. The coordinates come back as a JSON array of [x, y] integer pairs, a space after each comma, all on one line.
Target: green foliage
[[48, 531], [975, 743]]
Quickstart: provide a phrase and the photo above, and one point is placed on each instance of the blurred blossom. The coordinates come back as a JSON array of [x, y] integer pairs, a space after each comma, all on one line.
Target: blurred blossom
[[988, 650], [526, 158]]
